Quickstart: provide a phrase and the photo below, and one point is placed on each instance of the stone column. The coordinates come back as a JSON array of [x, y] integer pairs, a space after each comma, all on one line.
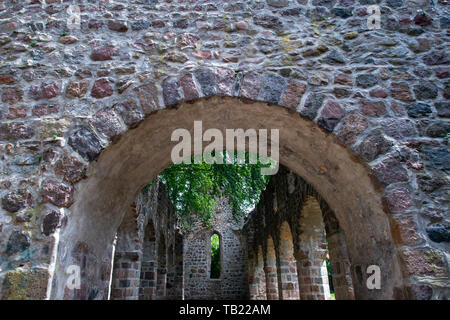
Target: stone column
[[270, 270], [340, 267], [311, 253], [126, 275], [287, 265], [147, 290], [128, 257]]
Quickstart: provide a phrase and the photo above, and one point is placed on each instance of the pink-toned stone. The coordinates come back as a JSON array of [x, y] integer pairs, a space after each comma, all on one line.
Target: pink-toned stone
[[390, 171], [148, 97], [225, 81], [330, 116], [102, 89], [241, 25], [250, 86], [442, 73], [397, 108], [398, 200], [44, 110], [372, 108], [400, 91], [57, 193], [103, 54], [68, 40], [421, 261], [9, 26], [404, 231], [352, 127], [17, 112], [50, 91], [107, 123], [203, 54], [343, 79], [378, 93], [187, 40], [6, 79], [12, 95], [119, 26], [45, 91], [176, 57], [16, 131]]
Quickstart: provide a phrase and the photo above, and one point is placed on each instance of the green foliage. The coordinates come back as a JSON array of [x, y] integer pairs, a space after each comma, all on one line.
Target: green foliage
[[194, 188], [215, 256]]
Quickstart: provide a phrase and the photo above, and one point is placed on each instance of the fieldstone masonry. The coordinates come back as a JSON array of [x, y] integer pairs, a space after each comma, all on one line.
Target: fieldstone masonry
[[141, 263], [232, 283], [294, 238], [86, 116]]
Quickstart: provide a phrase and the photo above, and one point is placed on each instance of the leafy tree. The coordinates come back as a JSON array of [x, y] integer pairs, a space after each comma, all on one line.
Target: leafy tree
[[194, 188]]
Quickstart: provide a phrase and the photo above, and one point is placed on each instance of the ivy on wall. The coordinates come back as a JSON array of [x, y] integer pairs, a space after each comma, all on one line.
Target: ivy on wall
[[215, 256]]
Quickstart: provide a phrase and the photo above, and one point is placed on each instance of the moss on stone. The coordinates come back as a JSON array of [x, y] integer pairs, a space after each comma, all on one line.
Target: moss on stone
[[23, 284]]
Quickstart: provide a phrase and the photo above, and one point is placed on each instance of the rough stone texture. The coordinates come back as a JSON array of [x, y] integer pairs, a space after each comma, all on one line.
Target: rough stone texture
[[297, 222], [77, 89], [330, 116], [14, 201], [312, 105], [101, 89], [294, 94], [351, 127], [120, 52], [51, 222], [60, 194], [24, 284], [86, 143], [374, 145], [144, 266]]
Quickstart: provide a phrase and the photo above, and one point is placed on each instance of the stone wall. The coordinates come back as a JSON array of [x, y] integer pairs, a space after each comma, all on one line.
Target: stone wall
[[363, 115], [291, 232], [233, 281], [145, 266]]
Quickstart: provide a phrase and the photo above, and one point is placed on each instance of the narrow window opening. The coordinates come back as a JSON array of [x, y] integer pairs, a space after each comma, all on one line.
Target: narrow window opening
[[215, 256]]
